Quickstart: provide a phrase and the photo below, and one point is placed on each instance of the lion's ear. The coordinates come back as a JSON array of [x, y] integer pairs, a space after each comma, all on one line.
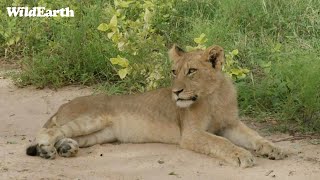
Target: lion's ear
[[175, 52], [215, 55]]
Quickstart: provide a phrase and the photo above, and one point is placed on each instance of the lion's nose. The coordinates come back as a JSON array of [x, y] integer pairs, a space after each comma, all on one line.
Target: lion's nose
[[177, 91]]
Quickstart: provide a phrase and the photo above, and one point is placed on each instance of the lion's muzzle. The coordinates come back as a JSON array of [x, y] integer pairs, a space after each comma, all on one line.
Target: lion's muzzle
[[184, 100]]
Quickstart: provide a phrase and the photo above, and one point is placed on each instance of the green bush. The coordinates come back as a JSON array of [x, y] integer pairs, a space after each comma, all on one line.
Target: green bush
[[289, 90], [59, 51]]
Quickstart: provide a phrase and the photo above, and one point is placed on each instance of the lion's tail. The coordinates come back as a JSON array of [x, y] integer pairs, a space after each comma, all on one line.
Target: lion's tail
[[32, 150]]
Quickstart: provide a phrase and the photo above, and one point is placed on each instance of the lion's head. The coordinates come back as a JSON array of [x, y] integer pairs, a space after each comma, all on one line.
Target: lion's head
[[196, 74]]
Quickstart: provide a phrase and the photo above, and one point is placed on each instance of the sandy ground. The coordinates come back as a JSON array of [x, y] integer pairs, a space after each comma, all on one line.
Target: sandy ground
[[23, 111]]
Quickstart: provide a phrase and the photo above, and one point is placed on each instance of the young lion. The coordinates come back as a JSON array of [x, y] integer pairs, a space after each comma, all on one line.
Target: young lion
[[199, 112]]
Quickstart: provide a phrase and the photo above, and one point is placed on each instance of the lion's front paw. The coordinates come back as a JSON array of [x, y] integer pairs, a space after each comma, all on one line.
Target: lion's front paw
[[241, 158], [269, 150], [47, 151]]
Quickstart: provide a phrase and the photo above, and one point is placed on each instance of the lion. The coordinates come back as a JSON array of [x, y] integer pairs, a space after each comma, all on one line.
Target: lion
[[199, 112]]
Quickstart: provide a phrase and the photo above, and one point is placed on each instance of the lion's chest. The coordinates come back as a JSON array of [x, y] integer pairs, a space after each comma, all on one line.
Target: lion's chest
[[218, 122]]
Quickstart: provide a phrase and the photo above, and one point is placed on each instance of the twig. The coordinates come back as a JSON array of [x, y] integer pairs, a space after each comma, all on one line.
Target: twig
[[269, 172], [299, 137]]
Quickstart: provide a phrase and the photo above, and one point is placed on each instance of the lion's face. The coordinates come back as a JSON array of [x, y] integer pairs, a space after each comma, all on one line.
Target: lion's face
[[196, 74]]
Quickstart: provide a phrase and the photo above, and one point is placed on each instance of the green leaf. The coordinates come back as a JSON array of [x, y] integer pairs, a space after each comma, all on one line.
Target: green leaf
[[166, 15], [123, 62], [277, 48], [10, 42], [202, 47], [265, 64], [235, 52], [113, 22], [123, 4], [103, 27], [123, 73], [119, 12], [110, 35], [18, 38], [235, 71], [148, 4], [147, 15], [190, 48], [241, 76], [245, 70], [120, 45], [201, 39]]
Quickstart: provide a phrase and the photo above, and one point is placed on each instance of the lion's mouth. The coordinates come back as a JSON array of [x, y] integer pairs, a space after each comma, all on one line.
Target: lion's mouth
[[193, 98]]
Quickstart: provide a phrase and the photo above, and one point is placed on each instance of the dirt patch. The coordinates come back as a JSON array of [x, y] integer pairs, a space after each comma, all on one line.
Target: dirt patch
[[24, 111]]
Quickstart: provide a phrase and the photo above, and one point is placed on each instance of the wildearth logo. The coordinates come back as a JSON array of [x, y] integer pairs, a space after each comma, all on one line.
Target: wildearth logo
[[39, 12]]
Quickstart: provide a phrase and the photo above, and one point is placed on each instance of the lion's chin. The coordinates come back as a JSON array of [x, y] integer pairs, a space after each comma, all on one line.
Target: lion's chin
[[184, 103]]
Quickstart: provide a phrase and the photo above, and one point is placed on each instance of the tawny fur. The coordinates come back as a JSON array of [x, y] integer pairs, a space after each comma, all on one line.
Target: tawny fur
[[199, 112]]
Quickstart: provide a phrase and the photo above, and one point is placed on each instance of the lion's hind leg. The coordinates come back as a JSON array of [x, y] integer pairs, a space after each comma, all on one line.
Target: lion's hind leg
[[67, 147], [83, 125], [105, 135]]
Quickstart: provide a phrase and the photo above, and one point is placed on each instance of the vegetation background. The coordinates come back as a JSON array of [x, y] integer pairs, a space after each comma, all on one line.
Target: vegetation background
[[272, 49]]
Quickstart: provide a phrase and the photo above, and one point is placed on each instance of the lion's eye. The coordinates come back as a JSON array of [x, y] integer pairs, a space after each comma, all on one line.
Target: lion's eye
[[191, 71], [174, 73]]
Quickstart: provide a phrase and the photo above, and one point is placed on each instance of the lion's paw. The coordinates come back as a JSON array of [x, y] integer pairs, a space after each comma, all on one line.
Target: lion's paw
[[47, 151], [242, 158], [269, 150], [67, 147]]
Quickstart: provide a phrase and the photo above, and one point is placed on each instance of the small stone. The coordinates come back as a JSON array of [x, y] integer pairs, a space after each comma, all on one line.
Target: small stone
[[23, 170], [11, 142], [291, 173], [5, 169], [160, 162]]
